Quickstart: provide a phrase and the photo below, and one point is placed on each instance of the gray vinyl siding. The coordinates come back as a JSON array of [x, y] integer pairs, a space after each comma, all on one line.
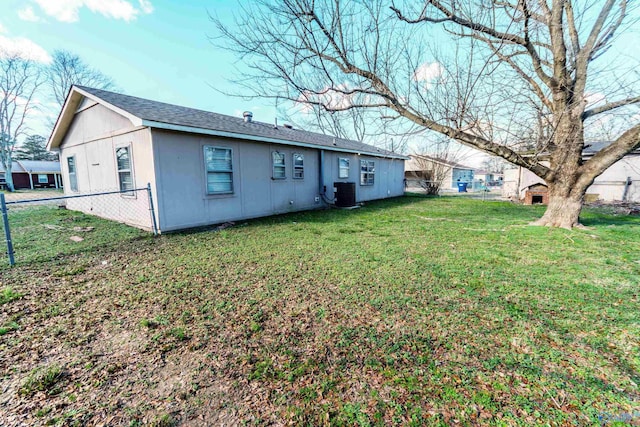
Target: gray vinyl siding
[[181, 180], [183, 200], [173, 163], [92, 139], [389, 176]]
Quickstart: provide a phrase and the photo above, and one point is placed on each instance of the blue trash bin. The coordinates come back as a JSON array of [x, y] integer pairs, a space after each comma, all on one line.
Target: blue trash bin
[[462, 187]]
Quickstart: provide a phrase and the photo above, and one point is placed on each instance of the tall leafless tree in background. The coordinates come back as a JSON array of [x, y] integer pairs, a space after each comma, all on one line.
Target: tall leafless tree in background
[[19, 81], [494, 164], [67, 69], [356, 124], [519, 67], [433, 161]]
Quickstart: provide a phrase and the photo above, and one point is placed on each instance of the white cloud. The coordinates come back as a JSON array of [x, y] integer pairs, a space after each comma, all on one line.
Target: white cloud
[[68, 10], [23, 48], [2, 29], [146, 6], [27, 14], [428, 72], [593, 98]]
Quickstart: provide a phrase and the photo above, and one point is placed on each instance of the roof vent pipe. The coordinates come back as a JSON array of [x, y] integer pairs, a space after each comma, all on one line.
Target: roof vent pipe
[[248, 116]]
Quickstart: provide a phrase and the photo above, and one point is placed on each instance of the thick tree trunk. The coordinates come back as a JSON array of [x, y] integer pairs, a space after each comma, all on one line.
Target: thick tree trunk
[[562, 211], [566, 197], [566, 188]]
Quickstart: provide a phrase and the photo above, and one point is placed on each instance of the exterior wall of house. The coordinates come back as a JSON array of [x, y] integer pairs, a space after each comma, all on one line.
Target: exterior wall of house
[[388, 177], [609, 186], [181, 179], [92, 139], [460, 175], [94, 122], [174, 164], [50, 181], [21, 180], [447, 181]]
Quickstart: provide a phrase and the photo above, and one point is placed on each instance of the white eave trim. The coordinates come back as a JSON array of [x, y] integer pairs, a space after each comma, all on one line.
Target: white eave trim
[[197, 130]]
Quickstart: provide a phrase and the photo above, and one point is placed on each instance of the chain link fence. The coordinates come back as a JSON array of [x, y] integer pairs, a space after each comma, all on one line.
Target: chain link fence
[[43, 225]]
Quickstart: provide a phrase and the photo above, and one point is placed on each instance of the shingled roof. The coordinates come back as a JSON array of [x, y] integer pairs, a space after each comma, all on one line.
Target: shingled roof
[[33, 166], [161, 115]]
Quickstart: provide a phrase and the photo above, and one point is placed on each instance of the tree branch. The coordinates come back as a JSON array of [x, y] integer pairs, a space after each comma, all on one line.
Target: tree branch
[[602, 160], [610, 106], [450, 16]]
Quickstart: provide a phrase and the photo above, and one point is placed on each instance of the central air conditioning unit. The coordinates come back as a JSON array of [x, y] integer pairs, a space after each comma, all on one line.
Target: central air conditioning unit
[[345, 194]]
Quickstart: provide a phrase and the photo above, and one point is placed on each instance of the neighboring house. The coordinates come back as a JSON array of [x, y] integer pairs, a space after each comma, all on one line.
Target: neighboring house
[[488, 178], [33, 174], [207, 168], [621, 182], [445, 172]]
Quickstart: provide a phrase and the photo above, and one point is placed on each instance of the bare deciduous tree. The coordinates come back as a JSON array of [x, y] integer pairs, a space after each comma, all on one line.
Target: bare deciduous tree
[[494, 164], [433, 161], [19, 81], [507, 69], [67, 69]]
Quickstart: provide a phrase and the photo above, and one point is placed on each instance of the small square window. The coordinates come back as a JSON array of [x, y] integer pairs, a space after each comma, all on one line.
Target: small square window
[[43, 178]]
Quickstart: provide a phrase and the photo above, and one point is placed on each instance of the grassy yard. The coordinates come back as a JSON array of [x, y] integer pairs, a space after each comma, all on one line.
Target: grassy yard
[[411, 311]]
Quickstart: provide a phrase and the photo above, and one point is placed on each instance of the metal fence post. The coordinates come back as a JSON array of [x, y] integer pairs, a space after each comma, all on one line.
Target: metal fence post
[[152, 211], [7, 231]]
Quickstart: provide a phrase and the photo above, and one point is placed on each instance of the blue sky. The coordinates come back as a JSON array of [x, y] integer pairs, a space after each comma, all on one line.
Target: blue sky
[[157, 49]]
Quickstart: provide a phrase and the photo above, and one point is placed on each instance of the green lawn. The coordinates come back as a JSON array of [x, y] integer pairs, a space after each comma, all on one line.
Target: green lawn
[[413, 311]]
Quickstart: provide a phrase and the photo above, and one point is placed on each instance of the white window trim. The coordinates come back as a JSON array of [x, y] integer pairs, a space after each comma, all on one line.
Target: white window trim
[[340, 168], [370, 164], [75, 174], [126, 193], [274, 166], [206, 172], [46, 178], [300, 168]]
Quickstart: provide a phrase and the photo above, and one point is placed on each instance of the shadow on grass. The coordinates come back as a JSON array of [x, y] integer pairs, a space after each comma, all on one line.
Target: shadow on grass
[[599, 219]]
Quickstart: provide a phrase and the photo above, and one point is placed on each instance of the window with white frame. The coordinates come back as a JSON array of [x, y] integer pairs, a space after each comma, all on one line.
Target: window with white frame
[[298, 166], [279, 167], [343, 167], [125, 171], [218, 163], [43, 178], [73, 178], [367, 172]]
